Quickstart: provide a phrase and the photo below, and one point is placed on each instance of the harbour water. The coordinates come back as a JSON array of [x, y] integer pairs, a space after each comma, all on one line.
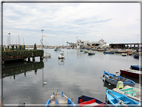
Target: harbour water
[[79, 74]]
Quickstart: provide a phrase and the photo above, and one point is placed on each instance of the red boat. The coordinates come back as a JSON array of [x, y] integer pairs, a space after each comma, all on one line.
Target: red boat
[[130, 53], [130, 72]]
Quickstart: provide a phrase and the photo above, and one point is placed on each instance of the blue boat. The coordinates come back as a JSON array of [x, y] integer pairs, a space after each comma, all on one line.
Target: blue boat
[[105, 52], [113, 79], [55, 49], [136, 56], [90, 101], [59, 99], [136, 67], [118, 99], [81, 50]]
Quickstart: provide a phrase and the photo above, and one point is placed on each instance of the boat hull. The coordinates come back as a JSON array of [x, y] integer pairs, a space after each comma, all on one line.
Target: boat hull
[[108, 52], [59, 99], [114, 98], [91, 53], [86, 100], [130, 73], [114, 82], [131, 92], [136, 56], [136, 67]]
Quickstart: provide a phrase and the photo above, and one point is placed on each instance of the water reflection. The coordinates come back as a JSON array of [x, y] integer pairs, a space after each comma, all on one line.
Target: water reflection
[[61, 61], [20, 67], [76, 75]]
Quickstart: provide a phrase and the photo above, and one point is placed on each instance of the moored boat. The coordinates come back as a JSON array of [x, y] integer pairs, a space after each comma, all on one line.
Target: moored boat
[[136, 67], [108, 52], [124, 54], [61, 56], [113, 79], [130, 92], [90, 101], [91, 52], [130, 72], [81, 50], [118, 99], [136, 56], [85, 51], [55, 49], [59, 99], [130, 53]]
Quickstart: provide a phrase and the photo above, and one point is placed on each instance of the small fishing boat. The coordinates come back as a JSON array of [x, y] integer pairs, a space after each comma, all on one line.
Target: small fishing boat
[[113, 79], [130, 92], [136, 56], [130, 53], [89, 101], [85, 51], [118, 99], [130, 72], [124, 54], [108, 52], [91, 52], [81, 50], [59, 99], [56, 49], [136, 67], [61, 56]]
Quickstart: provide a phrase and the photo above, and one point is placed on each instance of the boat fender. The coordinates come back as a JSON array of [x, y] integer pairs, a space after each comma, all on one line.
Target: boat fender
[[119, 85]]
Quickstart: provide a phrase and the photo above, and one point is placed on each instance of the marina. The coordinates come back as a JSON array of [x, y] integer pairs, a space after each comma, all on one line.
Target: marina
[[74, 77], [77, 54]]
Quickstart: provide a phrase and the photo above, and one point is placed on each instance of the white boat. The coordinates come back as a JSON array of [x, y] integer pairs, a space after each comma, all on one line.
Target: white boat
[[47, 55], [61, 56], [124, 54], [130, 92]]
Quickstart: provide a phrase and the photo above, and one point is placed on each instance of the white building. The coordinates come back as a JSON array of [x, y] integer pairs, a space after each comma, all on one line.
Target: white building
[[81, 44]]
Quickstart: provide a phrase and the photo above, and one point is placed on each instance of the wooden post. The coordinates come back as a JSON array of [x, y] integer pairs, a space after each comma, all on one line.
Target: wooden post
[[41, 58], [33, 59]]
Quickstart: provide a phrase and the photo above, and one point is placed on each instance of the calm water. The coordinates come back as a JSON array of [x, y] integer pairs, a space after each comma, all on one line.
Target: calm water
[[78, 74]]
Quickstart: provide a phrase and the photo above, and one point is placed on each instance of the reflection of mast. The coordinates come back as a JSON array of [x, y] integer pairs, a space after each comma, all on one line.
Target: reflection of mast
[[42, 78]]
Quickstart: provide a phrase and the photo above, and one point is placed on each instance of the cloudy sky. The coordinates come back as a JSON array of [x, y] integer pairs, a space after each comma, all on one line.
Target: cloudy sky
[[62, 22]]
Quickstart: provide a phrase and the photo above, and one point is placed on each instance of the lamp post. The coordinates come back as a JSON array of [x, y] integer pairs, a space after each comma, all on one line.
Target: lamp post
[[42, 38]]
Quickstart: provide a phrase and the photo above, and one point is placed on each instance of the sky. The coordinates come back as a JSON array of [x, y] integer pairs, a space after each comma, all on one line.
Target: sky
[[67, 22]]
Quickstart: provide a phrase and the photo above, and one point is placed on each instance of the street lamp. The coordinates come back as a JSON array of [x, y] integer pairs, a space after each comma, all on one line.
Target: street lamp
[[42, 38]]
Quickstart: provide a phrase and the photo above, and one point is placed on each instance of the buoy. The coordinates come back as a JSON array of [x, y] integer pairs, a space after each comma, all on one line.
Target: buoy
[[44, 83]]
